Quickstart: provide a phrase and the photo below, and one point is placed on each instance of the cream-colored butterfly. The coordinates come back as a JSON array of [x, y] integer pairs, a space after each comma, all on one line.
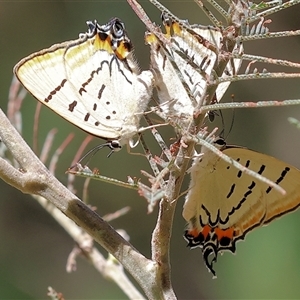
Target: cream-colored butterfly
[[224, 204], [183, 70], [93, 82]]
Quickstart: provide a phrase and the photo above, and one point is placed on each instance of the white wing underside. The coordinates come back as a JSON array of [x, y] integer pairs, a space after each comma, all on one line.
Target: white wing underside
[[110, 98], [194, 66]]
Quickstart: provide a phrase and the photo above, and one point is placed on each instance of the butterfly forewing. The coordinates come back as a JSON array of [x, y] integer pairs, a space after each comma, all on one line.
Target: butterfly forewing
[[93, 82], [45, 77]]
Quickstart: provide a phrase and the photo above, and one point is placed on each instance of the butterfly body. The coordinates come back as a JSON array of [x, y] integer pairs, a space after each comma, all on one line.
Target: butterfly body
[[224, 204], [93, 82]]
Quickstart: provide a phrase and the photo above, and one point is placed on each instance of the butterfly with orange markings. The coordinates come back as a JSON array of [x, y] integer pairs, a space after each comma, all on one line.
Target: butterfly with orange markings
[[93, 82], [224, 204]]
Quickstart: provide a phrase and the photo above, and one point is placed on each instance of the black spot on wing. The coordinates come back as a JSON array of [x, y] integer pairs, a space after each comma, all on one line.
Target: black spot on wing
[[189, 77], [119, 68], [240, 203], [101, 91], [240, 172], [206, 61], [81, 90], [283, 174], [231, 191], [57, 89], [218, 219], [72, 106], [279, 179], [211, 222], [96, 72], [86, 118], [225, 241], [261, 170], [164, 62]]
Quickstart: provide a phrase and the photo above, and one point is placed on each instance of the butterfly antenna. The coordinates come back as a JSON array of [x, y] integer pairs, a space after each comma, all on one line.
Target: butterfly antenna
[[222, 134], [114, 146], [233, 116], [223, 124]]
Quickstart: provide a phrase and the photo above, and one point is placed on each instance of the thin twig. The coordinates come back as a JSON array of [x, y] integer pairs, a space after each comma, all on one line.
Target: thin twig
[[34, 178]]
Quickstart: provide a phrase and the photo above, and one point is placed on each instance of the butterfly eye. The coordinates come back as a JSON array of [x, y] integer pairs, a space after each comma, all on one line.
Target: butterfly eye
[[115, 145], [118, 29], [220, 142]]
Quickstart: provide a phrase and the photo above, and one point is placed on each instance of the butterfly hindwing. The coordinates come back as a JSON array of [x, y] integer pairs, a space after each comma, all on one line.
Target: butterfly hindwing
[[224, 204]]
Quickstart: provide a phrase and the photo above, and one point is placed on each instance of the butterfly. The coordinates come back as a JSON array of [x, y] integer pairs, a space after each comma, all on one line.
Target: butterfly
[[224, 204], [182, 70], [93, 82]]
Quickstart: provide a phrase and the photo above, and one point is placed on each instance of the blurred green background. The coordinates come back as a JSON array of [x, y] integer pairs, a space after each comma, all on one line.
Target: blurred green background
[[34, 247]]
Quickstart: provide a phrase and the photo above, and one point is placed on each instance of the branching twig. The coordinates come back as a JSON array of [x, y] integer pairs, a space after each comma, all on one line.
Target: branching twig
[[33, 178]]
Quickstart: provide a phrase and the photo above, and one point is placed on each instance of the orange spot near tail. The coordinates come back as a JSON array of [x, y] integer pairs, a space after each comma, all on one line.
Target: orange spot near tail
[[224, 233]]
